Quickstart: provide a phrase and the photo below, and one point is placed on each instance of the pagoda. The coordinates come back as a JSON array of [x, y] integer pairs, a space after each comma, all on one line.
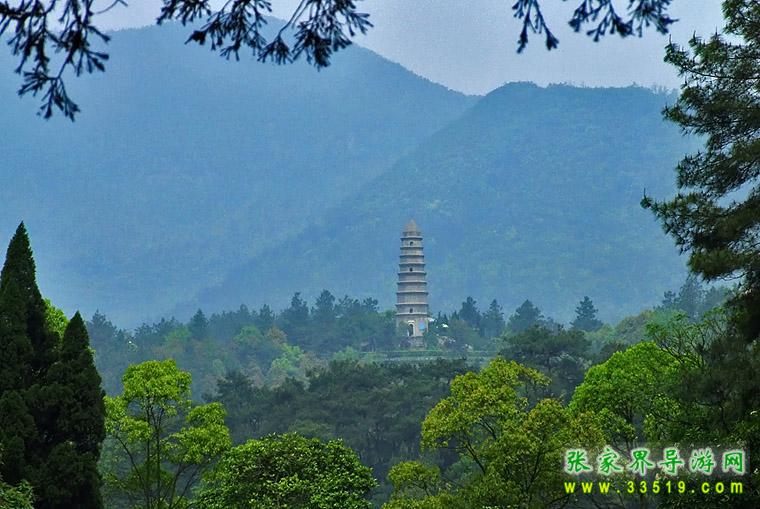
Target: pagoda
[[412, 295]]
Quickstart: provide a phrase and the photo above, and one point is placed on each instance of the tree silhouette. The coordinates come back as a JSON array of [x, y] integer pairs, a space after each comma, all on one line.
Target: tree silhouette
[[585, 316]]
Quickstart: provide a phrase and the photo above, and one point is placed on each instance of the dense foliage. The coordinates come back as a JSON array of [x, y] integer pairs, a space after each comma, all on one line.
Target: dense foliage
[[375, 409], [509, 444], [315, 417], [51, 402], [159, 444], [288, 471], [715, 217], [265, 346]]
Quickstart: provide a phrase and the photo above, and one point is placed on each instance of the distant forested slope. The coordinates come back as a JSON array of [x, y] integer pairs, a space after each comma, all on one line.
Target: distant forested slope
[[533, 193], [183, 165]]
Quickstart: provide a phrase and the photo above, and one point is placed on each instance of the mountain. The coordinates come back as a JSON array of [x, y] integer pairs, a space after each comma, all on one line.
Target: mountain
[[182, 165], [533, 193]]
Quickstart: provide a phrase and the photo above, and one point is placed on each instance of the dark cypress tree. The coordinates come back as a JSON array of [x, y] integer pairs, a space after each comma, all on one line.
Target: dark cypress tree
[[51, 404], [25, 306], [69, 473], [585, 316], [25, 349]]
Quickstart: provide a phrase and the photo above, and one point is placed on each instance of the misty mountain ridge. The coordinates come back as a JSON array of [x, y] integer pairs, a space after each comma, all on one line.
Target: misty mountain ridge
[[182, 165], [191, 181], [533, 193]]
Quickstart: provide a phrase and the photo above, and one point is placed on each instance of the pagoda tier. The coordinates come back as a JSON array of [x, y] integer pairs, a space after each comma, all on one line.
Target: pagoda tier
[[412, 296]]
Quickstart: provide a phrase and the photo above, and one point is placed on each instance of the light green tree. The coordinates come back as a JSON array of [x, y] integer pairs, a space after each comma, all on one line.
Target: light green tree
[[419, 486], [282, 471], [16, 497], [630, 392], [161, 444], [513, 448], [55, 319]]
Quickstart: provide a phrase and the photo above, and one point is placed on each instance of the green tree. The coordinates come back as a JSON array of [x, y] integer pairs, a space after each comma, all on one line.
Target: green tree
[[716, 214], [287, 365], [288, 471], [690, 297], [264, 349], [161, 443], [323, 317], [708, 218], [525, 316], [419, 486], [294, 320], [514, 448], [709, 409], [493, 320], [324, 312], [26, 315], [265, 318], [16, 497], [470, 314], [585, 316], [693, 299], [198, 325], [631, 390], [22, 313], [72, 399], [51, 406], [55, 319], [28, 349], [464, 336], [559, 354]]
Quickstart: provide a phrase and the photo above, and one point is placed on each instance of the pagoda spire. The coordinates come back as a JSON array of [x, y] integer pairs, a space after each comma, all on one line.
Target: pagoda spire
[[412, 295]]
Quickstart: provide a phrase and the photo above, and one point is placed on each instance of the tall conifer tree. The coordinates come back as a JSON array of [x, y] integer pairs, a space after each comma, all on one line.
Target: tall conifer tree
[[585, 316], [70, 475], [51, 403], [22, 341]]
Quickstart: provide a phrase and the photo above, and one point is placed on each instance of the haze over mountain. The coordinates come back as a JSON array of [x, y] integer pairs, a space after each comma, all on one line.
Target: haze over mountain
[[191, 181], [533, 193], [471, 46], [183, 165]]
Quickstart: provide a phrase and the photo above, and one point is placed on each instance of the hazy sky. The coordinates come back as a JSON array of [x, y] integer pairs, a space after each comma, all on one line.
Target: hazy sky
[[470, 46]]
